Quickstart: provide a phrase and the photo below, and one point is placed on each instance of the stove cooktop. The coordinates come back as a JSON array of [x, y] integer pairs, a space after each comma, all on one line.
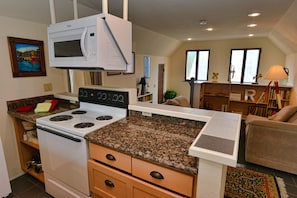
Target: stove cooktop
[[99, 106], [82, 121]]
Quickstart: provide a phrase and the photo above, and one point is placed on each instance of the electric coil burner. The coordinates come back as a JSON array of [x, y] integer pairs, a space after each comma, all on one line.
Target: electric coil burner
[[104, 117], [61, 118], [79, 112], [84, 125], [63, 149]]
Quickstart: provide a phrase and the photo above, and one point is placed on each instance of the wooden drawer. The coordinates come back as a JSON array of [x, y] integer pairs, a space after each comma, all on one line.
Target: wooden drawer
[[165, 177], [110, 157], [107, 182]]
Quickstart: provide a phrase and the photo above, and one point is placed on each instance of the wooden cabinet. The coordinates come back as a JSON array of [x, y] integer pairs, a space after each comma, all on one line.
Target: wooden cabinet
[[148, 97], [28, 148], [110, 179], [239, 98]]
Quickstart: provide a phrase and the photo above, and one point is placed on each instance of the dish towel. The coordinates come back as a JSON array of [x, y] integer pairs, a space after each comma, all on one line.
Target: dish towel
[[43, 107]]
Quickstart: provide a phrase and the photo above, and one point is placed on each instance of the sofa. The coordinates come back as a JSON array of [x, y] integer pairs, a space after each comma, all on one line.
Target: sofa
[[272, 141], [178, 101]]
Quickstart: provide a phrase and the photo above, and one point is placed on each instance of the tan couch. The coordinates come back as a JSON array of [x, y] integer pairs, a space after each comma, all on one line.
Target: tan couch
[[178, 101], [272, 142]]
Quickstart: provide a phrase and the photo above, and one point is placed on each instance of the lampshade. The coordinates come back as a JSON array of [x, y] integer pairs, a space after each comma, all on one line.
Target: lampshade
[[276, 72]]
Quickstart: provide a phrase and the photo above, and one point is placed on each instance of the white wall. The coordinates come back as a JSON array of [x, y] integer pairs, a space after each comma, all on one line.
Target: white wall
[[21, 87]]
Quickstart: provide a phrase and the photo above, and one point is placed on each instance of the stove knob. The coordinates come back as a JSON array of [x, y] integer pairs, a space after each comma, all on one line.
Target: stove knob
[[85, 94], [99, 95], [115, 98], [121, 98], [104, 96]]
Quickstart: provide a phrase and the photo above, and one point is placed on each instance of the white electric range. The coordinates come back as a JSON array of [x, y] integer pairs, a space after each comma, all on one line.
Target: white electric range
[[63, 149]]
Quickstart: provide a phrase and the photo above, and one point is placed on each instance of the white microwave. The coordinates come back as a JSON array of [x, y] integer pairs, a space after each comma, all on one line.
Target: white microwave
[[101, 42]]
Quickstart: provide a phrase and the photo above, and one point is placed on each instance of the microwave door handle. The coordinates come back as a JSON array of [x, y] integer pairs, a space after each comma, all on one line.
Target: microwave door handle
[[82, 43]]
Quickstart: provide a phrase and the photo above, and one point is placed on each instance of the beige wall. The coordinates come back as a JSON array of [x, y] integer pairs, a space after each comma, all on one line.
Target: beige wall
[[219, 59], [146, 43], [132, 80], [22, 87]]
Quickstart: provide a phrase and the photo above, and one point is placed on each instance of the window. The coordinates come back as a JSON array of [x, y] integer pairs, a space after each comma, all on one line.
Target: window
[[244, 65], [197, 62]]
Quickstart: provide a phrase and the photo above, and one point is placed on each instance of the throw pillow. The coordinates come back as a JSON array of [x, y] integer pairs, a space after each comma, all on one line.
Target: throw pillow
[[182, 101], [285, 113], [172, 102]]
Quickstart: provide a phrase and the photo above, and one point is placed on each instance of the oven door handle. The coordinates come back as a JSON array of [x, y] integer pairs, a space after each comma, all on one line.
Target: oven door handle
[[58, 134]]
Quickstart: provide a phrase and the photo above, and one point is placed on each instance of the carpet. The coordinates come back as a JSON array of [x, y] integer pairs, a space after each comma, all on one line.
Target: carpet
[[243, 183]]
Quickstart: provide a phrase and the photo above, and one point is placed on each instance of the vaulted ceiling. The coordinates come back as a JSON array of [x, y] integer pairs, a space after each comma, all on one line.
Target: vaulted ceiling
[[178, 19]]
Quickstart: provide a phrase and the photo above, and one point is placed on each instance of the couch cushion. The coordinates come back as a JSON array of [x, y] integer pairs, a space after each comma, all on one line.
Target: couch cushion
[[293, 118], [284, 114]]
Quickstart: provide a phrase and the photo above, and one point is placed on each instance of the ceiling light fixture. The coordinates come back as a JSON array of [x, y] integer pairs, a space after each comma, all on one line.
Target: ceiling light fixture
[[189, 39], [252, 25], [254, 14], [209, 29], [251, 35]]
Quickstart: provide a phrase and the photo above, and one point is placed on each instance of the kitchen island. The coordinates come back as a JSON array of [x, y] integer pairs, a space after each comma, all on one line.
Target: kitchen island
[[157, 136]]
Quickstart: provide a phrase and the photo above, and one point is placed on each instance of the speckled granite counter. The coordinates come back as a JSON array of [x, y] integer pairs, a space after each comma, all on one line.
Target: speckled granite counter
[[30, 116], [158, 139]]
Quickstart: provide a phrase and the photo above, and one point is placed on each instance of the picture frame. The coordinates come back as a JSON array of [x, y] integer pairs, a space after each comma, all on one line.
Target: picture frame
[[27, 57], [131, 68]]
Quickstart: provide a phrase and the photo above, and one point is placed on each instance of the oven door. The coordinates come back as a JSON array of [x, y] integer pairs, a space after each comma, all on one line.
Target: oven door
[[64, 161]]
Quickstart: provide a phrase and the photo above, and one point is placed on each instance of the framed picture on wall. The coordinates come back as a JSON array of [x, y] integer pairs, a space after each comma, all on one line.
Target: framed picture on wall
[[131, 67], [27, 57]]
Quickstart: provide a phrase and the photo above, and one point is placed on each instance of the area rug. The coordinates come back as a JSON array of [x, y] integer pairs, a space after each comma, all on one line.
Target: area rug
[[243, 183]]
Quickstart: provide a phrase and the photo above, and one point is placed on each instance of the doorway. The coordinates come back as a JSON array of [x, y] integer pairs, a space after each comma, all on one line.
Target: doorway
[[160, 83]]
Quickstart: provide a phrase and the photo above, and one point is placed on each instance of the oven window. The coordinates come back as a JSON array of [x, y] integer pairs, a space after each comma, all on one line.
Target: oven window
[[68, 49]]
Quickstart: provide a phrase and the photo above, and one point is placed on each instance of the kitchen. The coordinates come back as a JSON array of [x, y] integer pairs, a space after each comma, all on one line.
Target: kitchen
[[28, 87]]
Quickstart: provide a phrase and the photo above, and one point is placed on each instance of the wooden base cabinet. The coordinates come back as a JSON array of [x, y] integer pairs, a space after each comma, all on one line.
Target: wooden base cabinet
[[110, 177], [28, 149], [106, 182]]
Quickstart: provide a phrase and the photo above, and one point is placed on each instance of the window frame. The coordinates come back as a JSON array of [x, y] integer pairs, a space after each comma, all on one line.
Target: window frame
[[197, 66], [244, 64]]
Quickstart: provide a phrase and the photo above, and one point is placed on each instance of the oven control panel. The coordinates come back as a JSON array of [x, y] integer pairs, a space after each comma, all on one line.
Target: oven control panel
[[104, 97]]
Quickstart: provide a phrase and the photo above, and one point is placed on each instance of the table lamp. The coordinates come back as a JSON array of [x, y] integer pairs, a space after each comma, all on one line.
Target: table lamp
[[276, 73]]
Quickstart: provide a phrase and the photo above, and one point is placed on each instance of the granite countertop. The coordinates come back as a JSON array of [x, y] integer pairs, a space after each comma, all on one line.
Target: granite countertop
[[30, 116], [158, 139]]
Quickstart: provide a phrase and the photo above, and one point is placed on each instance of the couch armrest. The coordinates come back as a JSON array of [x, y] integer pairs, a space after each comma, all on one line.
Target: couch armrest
[[272, 144], [274, 125]]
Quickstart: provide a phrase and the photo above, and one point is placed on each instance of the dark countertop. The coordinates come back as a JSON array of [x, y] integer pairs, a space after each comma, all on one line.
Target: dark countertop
[[30, 116], [158, 139]]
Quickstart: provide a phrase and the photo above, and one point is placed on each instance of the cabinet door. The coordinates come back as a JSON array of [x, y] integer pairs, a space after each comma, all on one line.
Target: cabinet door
[[145, 190], [161, 176], [107, 182], [110, 157]]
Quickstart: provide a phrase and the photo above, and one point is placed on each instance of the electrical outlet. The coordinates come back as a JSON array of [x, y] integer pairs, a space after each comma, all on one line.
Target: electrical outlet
[[48, 87]]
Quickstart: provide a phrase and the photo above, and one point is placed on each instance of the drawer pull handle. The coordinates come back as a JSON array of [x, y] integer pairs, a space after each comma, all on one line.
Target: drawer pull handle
[[109, 183], [110, 157], [156, 175]]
